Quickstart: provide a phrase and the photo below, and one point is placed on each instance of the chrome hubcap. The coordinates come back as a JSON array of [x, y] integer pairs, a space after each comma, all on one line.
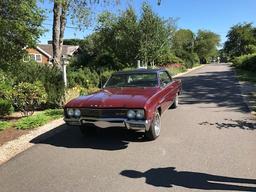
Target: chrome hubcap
[[157, 125], [177, 100]]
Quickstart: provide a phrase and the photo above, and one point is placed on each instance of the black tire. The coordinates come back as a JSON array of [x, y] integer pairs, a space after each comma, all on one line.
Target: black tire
[[88, 130], [155, 128], [175, 102]]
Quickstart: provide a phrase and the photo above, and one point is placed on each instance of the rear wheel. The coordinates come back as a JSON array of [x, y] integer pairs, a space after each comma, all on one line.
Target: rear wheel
[[88, 130], [155, 128]]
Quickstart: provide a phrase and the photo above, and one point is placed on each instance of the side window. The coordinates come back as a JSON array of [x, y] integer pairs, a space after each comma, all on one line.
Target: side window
[[164, 78]]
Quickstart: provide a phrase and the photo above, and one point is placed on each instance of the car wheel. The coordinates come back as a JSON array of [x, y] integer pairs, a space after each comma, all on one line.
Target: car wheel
[[175, 102], [155, 128], [88, 130]]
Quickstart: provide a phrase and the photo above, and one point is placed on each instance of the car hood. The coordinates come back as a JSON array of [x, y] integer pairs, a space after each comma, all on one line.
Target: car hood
[[115, 98]]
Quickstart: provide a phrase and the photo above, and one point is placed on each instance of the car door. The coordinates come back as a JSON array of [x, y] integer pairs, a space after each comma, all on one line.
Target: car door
[[168, 91]]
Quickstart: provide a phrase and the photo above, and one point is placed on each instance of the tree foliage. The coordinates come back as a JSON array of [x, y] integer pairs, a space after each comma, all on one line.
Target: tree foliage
[[183, 46], [119, 41], [20, 26], [155, 35], [206, 45], [241, 40]]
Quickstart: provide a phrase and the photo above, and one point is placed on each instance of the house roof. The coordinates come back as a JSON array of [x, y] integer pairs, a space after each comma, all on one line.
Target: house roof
[[67, 50]]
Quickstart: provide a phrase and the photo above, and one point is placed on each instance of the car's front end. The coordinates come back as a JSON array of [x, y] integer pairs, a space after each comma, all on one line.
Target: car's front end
[[134, 119]]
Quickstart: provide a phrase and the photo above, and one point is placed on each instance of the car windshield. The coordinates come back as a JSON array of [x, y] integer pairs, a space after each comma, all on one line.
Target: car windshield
[[133, 80]]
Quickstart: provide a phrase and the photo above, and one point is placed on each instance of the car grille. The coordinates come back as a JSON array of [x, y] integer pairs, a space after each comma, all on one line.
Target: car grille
[[104, 113]]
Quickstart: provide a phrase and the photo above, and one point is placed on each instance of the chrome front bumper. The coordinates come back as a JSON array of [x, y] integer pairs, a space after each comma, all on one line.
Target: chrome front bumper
[[110, 122]]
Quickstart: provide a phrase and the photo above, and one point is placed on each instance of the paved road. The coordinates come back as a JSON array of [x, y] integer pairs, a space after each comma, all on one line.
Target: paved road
[[208, 143]]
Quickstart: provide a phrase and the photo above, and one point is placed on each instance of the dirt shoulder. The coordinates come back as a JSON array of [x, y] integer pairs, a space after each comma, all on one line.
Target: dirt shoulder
[[248, 90]]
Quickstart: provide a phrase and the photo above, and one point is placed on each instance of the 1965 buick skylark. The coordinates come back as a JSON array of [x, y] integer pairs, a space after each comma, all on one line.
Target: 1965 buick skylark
[[130, 99]]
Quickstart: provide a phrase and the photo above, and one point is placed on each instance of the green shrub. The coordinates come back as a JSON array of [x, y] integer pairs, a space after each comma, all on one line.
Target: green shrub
[[27, 96], [191, 60], [5, 86], [246, 62], [83, 77], [168, 58], [6, 107], [51, 78], [88, 91], [39, 119]]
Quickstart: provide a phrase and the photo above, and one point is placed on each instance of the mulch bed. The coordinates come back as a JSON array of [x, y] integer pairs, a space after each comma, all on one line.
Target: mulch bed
[[11, 134]]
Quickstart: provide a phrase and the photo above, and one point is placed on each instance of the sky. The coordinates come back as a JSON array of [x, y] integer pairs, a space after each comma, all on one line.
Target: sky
[[214, 15]]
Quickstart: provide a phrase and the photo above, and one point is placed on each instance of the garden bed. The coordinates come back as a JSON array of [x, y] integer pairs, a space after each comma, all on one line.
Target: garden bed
[[13, 126]]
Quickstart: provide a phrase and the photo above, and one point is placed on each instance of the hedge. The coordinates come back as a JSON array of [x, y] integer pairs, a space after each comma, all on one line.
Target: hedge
[[246, 62]]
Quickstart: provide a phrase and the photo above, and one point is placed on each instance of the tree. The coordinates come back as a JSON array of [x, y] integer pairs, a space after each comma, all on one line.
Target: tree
[[115, 42], [183, 46], [77, 10], [20, 26], [184, 39], [206, 45], [155, 35], [241, 40]]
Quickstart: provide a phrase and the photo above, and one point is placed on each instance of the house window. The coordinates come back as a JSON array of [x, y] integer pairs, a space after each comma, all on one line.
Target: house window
[[35, 57], [32, 57], [38, 57], [26, 58]]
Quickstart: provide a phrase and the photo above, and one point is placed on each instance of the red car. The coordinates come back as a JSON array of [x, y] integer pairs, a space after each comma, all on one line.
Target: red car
[[131, 99]]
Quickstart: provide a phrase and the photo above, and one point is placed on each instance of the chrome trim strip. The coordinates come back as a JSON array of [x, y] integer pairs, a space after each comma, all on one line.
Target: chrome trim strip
[[110, 122]]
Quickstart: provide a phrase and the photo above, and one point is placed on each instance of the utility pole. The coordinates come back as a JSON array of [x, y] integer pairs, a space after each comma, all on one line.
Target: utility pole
[[64, 70]]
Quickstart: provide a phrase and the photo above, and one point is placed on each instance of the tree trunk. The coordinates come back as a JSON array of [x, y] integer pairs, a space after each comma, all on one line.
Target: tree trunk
[[56, 33], [63, 21]]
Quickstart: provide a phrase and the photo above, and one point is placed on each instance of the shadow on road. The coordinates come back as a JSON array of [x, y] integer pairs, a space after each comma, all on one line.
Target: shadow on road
[[106, 139], [169, 177], [220, 88], [230, 123]]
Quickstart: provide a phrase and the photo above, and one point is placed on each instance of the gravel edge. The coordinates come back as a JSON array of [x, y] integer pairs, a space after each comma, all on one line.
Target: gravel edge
[[16, 146]]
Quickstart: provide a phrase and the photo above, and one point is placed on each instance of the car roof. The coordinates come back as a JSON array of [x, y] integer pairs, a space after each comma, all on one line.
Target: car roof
[[136, 71]]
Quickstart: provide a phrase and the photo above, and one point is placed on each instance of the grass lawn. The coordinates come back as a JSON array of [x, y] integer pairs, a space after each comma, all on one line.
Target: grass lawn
[[244, 75], [33, 121]]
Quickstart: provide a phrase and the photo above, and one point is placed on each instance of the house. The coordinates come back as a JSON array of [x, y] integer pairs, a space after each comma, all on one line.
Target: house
[[42, 53]]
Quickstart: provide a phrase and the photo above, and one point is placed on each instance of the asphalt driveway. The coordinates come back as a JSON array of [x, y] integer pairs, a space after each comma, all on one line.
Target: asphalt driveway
[[207, 143]]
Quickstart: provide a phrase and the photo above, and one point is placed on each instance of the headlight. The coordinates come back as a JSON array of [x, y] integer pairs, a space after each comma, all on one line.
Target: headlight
[[140, 114], [70, 112], [131, 114], [77, 113]]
